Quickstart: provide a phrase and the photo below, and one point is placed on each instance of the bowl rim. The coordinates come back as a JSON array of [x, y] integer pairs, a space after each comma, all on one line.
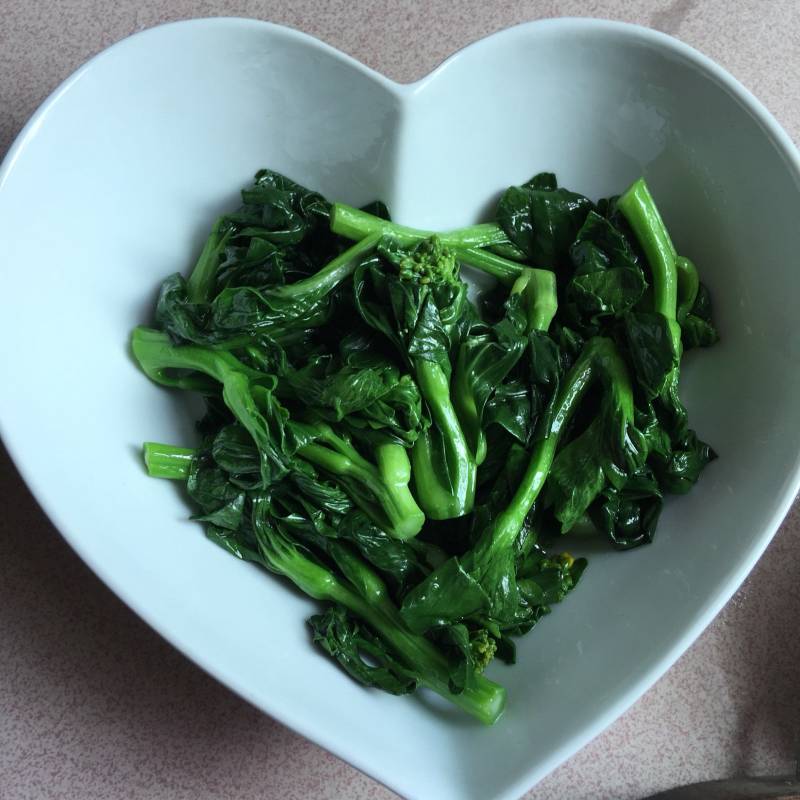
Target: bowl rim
[[687, 54]]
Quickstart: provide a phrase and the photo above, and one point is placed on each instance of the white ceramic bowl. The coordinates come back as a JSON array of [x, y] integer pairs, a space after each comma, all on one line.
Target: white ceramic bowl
[[113, 184]]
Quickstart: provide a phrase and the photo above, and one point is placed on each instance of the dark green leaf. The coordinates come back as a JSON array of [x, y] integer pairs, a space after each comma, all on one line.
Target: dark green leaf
[[486, 357], [578, 475], [233, 449], [360, 652], [396, 560], [628, 516], [209, 486], [680, 469], [652, 350], [542, 222], [698, 330], [368, 397], [182, 320], [236, 544], [246, 310], [542, 180], [448, 595], [510, 408], [600, 246], [228, 516], [280, 210], [611, 292], [545, 580]]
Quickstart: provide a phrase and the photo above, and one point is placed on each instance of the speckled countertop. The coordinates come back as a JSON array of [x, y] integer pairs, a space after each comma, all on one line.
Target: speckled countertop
[[93, 704]]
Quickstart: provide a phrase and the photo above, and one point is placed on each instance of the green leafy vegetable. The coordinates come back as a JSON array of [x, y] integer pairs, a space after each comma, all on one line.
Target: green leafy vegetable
[[417, 300], [488, 569], [284, 446], [542, 220], [410, 458]]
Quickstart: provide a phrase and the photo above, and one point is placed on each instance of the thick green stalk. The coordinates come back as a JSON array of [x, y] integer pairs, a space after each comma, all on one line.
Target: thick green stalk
[[504, 270], [333, 273], [353, 223], [467, 410], [167, 364], [639, 208], [392, 506], [394, 468], [393, 463], [431, 487], [453, 495], [167, 460], [484, 699], [688, 286], [368, 600], [538, 290], [468, 242], [509, 522], [201, 281], [598, 360]]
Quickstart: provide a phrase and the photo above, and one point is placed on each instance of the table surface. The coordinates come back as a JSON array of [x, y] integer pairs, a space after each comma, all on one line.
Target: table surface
[[94, 704]]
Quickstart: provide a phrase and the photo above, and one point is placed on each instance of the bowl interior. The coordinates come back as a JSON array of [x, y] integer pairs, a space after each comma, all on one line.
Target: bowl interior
[[115, 184]]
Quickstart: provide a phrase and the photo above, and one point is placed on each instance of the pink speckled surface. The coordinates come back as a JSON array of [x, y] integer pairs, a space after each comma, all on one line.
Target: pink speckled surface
[[93, 704]]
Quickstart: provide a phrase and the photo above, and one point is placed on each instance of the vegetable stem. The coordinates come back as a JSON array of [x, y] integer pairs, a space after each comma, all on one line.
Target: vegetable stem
[[538, 289], [353, 223], [442, 497], [505, 271], [178, 366], [368, 600], [483, 699], [467, 410], [167, 460], [392, 506], [688, 286], [333, 273], [599, 359], [640, 210], [201, 281], [355, 389]]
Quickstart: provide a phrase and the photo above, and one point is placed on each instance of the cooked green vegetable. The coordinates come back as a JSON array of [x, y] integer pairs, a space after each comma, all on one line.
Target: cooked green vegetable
[[489, 568], [284, 446], [408, 457], [415, 298]]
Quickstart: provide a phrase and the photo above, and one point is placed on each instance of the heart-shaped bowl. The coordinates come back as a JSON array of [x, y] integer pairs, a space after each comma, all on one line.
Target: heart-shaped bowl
[[113, 185]]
